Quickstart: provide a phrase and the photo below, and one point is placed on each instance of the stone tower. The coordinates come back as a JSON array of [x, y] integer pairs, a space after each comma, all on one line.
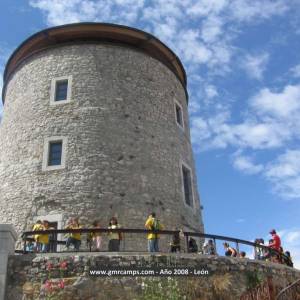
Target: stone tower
[[95, 125]]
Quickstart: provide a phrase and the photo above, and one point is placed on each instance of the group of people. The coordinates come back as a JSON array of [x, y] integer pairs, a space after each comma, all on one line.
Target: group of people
[[273, 251], [94, 239], [279, 256]]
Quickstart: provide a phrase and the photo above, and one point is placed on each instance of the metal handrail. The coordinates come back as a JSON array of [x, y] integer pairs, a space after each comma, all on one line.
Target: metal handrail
[[229, 239], [26, 236]]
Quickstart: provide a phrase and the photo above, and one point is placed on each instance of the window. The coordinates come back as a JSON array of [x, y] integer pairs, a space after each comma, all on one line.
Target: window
[[187, 185], [54, 153], [61, 88], [179, 114]]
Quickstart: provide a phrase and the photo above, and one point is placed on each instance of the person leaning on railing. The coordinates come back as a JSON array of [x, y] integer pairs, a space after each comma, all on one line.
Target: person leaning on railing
[[74, 238], [259, 252], [114, 237], [44, 238], [94, 238], [175, 241], [209, 248], [37, 227], [229, 251]]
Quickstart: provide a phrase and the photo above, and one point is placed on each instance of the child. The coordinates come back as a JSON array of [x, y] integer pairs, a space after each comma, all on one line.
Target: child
[[44, 238], [74, 238], [37, 227], [96, 236], [114, 237]]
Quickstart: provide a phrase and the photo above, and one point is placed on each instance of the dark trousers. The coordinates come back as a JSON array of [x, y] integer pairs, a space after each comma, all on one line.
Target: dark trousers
[[74, 242], [114, 245], [175, 248]]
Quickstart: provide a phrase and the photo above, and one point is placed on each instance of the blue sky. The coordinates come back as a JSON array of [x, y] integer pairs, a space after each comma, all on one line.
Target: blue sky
[[243, 64]]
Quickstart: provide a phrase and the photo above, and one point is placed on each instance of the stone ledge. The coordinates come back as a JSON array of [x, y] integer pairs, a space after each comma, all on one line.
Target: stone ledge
[[34, 272]]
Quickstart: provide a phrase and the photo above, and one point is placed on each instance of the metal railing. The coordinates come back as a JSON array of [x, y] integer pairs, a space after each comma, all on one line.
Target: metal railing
[[27, 236]]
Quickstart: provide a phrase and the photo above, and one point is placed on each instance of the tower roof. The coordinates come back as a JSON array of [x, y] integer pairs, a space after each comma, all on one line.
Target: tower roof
[[98, 32]]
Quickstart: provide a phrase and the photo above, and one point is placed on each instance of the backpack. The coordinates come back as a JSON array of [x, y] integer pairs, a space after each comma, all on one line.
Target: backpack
[[156, 225]]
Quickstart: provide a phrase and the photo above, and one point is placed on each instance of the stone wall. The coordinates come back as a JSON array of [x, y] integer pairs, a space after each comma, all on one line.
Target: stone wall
[[66, 276], [124, 148]]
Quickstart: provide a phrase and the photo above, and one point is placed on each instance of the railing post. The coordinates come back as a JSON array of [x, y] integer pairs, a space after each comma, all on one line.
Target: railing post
[[237, 248], [187, 243], [215, 245]]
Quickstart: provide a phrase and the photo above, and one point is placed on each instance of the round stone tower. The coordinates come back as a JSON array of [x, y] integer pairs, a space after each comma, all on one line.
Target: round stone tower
[[95, 125]]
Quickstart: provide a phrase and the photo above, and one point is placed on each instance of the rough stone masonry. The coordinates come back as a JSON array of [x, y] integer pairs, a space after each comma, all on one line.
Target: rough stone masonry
[[124, 149]]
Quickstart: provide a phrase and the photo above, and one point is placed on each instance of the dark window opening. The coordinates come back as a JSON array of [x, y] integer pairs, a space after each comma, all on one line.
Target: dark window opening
[[55, 152], [179, 115], [61, 90], [187, 186]]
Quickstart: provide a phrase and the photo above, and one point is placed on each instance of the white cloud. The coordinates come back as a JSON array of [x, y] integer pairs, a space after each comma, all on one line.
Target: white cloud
[[211, 91], [284, 173], [246, 10], [295, 71], [246, 165], [211, 29], [281, 104], [249, 134], [255, 65], [286, 165]]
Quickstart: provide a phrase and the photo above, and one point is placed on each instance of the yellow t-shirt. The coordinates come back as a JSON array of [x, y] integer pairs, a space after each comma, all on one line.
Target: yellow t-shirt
[[76, 236], [149, 225], [44, 238], [37, 227]]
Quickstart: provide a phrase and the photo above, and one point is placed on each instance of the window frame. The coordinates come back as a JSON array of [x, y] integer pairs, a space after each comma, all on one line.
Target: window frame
[[177, 104], [47, 142], [186, 166], [51, 157], [54, 83]]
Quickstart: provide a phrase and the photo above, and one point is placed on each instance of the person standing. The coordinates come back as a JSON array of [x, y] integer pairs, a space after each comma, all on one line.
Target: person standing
[[209, 248], [96, 236], [44, 238], [276, 243], [114, 237], [153, 223], [74, 238], [175, 242], [37, 227]]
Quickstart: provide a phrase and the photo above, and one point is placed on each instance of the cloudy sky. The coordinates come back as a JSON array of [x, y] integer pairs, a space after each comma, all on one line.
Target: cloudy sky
[[242, 59]]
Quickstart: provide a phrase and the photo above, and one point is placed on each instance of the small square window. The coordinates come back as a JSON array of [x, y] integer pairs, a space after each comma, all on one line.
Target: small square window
[[55, 153], [61, 90], [187, 186]]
